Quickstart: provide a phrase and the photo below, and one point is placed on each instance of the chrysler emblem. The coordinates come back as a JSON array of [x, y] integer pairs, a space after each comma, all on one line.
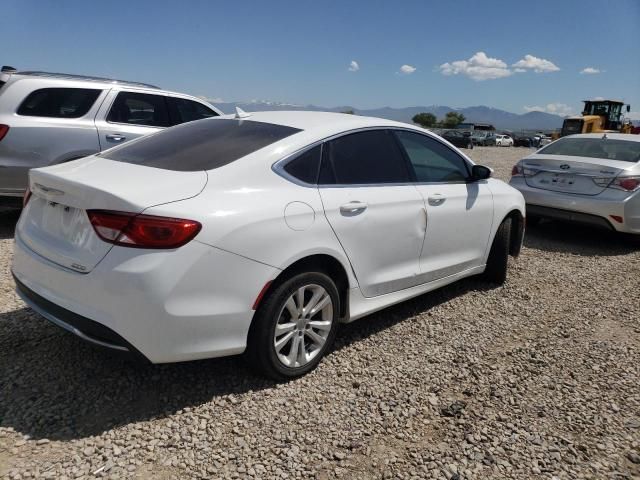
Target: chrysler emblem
[[564, 166]]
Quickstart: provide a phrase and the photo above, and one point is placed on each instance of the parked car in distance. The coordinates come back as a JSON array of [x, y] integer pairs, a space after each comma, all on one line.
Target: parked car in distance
[[458, 138], [504, 141], [519, 141], [257, 233], [588, 178], [51, 118], [483, 138]]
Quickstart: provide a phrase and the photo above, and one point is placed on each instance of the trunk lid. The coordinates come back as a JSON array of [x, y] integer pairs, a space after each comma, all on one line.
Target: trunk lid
[[568, 174], [55, 224]]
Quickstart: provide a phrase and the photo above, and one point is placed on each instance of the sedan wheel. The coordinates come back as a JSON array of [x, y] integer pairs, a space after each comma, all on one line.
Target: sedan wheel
[[294, 326], [303, 326]]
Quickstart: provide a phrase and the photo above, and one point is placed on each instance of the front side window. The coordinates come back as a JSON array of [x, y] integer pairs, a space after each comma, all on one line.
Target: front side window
[[432, 161], [200, 145], [59, 102], [187, 111], [370, 157], [139, 109]]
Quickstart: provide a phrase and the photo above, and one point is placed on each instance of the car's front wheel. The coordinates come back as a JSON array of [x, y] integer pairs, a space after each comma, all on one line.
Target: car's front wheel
[[294, 326], [496, 269]]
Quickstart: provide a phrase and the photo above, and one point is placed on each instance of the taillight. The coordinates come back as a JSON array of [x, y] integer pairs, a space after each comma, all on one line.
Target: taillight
[[628, 184], [4, 129], [142, 231], [26, 197], [517, 170]]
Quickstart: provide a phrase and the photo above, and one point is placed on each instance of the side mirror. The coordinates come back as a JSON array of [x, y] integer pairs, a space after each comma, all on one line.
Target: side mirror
[[628, 108], [480, 172]]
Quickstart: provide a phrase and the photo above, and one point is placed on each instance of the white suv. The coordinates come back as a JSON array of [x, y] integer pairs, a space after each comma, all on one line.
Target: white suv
[[50, 118]]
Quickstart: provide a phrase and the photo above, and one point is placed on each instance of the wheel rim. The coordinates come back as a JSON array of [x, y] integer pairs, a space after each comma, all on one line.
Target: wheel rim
[[304, 324]]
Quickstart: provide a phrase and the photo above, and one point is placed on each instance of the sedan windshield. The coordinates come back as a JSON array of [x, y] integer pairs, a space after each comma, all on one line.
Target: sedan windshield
[[621, 150]]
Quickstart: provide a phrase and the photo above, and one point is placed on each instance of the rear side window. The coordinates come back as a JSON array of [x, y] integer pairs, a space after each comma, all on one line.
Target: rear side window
[[200, 145], [305, 167], [58, 102], [139, 109], [371, 157], [183, 110], [432, 161]]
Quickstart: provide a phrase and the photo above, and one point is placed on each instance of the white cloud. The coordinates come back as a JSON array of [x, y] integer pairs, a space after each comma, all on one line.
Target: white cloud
[[561, 109], [407, 69], [590, 71], [479, 67], [632, 115], [538, 65], [519, 70], [353, 66]]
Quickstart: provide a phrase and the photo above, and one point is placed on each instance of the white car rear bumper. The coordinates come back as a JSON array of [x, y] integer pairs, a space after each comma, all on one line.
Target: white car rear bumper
[[608, 203], [164, 306]]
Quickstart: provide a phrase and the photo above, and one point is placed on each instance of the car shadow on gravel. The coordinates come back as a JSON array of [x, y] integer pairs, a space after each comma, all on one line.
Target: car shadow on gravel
[[55, 386], [8, 220], [563, 237]]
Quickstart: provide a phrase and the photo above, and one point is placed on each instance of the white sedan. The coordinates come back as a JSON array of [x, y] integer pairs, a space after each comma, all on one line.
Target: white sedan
[[504, 141], [591, 178], [257, 233]]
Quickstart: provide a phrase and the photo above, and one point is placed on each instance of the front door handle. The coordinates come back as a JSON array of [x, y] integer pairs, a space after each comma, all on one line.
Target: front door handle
[[116, 137], [436, 199], [353, 208]]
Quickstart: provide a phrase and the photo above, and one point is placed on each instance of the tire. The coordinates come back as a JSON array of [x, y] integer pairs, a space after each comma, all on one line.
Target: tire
[[470, 146], [496, 270], [262, 352]]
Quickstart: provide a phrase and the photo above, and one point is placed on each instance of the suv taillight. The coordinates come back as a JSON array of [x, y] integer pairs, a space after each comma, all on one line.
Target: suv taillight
[[4, 129], [142, 231]]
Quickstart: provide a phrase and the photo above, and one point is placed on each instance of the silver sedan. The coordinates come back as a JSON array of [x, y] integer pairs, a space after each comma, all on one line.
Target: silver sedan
[[590, 178]]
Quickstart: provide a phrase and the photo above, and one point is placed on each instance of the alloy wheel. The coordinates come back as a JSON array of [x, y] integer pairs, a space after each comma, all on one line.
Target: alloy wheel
[[303, 326]]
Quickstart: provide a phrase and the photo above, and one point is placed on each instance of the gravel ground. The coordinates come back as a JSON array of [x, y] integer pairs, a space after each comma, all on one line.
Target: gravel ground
[[537, 379]]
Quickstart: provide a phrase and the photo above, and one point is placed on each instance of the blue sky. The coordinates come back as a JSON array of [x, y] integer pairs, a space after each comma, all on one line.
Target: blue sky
[[459, 54]]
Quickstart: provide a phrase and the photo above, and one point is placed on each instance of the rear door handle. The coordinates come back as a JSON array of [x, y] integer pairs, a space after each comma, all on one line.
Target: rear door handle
[[116, 137], [436, 199], [353, 208]]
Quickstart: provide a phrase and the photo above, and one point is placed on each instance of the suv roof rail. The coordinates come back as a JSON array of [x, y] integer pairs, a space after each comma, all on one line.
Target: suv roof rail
[[87, 78]]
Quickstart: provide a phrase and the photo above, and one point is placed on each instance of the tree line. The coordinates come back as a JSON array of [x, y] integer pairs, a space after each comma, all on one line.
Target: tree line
[[428, 120]]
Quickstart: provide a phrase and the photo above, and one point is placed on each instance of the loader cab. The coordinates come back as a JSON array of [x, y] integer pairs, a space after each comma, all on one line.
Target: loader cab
[[609, 110]]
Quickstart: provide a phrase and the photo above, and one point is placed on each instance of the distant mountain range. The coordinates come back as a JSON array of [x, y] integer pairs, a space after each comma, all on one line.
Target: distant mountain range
[[500, 119]]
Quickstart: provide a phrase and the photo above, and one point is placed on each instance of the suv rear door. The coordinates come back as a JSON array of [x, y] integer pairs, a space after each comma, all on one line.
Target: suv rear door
[[129, 114]]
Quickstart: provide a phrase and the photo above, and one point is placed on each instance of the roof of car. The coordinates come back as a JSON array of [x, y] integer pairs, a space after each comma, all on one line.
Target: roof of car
[[326, 122], [612, 136], [85, 78]]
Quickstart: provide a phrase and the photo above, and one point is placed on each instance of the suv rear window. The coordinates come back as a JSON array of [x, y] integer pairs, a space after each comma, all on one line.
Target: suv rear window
[[200, 145], [58, 102]]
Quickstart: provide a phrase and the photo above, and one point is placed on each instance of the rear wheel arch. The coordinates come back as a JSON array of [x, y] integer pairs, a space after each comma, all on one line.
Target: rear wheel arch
[[322, 263]]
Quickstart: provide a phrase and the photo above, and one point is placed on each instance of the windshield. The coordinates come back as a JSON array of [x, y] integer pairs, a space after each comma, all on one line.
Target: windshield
[[621, 150]]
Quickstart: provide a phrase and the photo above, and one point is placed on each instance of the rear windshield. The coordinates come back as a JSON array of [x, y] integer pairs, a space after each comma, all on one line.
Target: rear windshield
[[622, 150], [200, 145]]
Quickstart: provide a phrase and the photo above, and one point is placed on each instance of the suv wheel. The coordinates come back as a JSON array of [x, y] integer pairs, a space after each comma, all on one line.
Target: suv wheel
[[294, 326]]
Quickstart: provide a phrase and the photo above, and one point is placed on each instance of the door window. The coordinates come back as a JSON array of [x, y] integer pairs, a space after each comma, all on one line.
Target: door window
[[184, 110], [139, 109], [432, 161], [370, 157]]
